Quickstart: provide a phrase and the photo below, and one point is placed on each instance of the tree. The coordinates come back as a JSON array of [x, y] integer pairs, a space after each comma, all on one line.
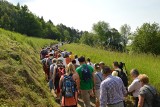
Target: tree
[[102, 30], [114, 42], [67, 36], [125, 31], [88, 39], [147, 39]]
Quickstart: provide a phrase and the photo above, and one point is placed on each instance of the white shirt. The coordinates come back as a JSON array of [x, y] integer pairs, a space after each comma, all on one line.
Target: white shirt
[[115, 73], [77, 62], [134, 87], [91, 64]]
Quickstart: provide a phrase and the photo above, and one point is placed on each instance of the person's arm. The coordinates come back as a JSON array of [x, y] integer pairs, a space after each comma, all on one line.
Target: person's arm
[[54, 73], [131, 87], [140, 101], [94, 81], [77, 80], [47, 62], [60, 82], [103, 95], [51, 71]]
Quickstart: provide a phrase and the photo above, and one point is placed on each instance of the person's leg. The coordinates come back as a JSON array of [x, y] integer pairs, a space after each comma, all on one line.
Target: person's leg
[[97, 94], [135, 101], [124, 103], [86, 97]]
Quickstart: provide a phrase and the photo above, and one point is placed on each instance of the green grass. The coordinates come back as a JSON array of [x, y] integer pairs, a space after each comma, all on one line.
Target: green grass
[[22, 81], [147, 64]]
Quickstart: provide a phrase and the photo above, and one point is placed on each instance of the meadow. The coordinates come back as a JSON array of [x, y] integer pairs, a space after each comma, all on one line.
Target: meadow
[[145, 63]]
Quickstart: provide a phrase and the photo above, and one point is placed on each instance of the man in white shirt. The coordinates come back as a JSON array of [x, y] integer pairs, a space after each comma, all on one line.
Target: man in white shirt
[[135, 86]]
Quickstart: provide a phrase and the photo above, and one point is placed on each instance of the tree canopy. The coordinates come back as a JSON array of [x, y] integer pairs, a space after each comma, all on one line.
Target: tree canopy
[[21, 19], [147, 39]]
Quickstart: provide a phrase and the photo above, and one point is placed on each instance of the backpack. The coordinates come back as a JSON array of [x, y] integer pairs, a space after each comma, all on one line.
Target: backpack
[[59, 72], [86, 74], [123, 76], [156, 99], [49, 62], [68, 87]]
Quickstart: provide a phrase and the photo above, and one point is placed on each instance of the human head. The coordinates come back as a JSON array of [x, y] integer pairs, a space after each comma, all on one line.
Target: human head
[[81, 60], [70, 68], [66, 55], [96, 67], [143, 78], [115, 64], [121, 65], [76, 56], [59, 61], [59, 55], [106, 71], [134, 73], [73, 62], [101, 64], [88, 59], [54, 60]]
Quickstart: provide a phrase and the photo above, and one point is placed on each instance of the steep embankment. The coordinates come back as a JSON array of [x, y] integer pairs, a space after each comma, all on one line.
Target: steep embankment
[[22, 80]]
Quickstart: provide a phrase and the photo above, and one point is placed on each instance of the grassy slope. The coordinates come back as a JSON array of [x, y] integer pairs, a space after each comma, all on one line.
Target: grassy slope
[[22, 80], [147, 64]]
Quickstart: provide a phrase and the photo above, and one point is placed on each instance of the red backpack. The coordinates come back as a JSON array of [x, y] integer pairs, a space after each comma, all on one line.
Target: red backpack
[[60, 71]]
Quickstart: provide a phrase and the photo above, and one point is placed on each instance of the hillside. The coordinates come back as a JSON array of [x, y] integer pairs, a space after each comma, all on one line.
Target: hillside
[[145, 63], [22, 81]]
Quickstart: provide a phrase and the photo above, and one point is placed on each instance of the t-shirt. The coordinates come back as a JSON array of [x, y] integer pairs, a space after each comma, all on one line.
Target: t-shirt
[[85, 85], [77, 62], [148, 97], [91, 64], [67, 60], [49, 62], [52, 68], [98, 80], [71, 57]]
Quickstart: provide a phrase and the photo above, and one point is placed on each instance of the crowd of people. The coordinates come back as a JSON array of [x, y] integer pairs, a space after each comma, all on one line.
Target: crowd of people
[[70, 76]]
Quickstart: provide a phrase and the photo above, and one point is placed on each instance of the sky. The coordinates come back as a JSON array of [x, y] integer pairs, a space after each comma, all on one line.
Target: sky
[[82, 14]]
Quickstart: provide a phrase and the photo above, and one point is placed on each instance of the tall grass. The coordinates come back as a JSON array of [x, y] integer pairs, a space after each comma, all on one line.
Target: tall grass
[[22, 81], [36, 43], [147, 64]]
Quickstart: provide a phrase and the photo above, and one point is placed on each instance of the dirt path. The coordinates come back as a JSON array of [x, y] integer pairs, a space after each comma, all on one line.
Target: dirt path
[[80, 102]]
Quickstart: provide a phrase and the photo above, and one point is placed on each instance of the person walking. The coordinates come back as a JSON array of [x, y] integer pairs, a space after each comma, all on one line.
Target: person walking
[[118, 72], [98, 80], [112, 90], [86, 75], [146, 93], [69, 92], [135, 86]]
